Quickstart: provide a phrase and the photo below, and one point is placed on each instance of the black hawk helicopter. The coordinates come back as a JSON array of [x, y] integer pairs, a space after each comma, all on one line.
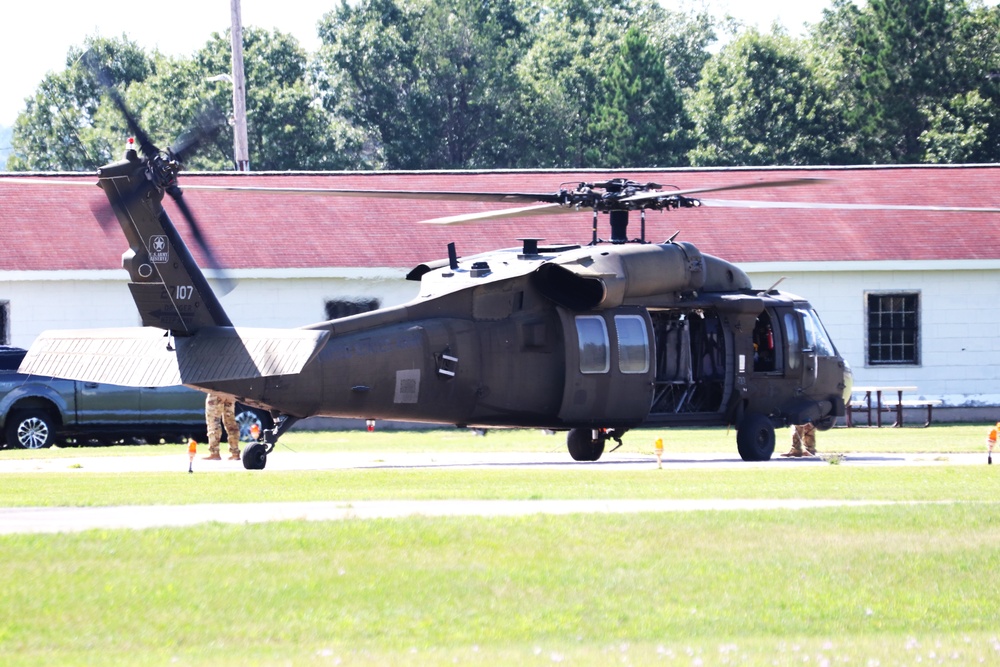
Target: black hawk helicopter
[[591, 339]]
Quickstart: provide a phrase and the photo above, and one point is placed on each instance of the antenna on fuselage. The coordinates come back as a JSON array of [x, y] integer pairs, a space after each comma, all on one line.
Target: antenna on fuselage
[[772, 287]]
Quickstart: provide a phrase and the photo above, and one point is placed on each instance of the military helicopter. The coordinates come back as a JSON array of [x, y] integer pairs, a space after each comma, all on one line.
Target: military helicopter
[[592, 339]]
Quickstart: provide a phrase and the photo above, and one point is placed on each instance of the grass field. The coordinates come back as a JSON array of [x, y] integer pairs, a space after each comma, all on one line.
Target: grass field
[[946, 438], [898, 584]]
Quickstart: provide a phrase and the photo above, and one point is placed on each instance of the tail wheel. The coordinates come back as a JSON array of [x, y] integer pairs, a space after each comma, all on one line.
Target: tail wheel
[[583, 446], [255, 456], [755, 437], [30, 429]]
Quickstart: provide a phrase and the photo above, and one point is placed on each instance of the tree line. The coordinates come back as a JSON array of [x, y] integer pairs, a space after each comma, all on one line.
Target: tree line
[[468, 84]]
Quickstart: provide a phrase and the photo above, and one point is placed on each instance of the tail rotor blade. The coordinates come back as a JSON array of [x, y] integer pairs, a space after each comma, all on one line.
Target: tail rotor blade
[[146, 146]]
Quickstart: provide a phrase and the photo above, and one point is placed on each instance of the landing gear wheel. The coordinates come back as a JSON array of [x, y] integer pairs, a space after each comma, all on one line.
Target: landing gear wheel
[[255, 456], [755, 437], [582, 445]]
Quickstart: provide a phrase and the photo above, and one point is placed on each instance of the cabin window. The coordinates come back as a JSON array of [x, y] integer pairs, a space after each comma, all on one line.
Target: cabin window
[[592, 334], [633, 344], [337, 308], [817, 339], [893, 329]]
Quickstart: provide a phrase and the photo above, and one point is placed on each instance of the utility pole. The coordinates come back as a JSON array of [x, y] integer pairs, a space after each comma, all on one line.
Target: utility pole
[[241, 153]]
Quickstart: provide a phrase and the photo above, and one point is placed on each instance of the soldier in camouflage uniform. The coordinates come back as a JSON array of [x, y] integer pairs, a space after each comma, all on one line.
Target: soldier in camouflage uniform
[[220, 407], [803, 440]]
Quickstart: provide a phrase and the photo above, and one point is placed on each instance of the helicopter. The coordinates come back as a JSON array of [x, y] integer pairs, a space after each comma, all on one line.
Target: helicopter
[[593, 339]]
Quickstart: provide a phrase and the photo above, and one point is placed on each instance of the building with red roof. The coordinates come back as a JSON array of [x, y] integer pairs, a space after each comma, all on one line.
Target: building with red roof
[[299, 258]]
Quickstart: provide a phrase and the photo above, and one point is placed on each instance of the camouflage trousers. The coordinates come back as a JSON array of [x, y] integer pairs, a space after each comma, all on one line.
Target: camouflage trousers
[[804, 438], [218, 407]]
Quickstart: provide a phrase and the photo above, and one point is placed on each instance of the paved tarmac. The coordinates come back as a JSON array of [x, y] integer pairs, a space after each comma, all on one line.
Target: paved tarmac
[[72, 519], [286, 460]]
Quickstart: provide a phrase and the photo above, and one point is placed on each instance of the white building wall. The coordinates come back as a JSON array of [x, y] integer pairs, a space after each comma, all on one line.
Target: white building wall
[[297, 298], [65, 300], [959, 321], [97, 299], [960, 316]]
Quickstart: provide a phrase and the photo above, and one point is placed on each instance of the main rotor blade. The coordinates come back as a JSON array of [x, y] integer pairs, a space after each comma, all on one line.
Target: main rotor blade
[[721, 188], [46, 181], [522, 212], [746, 203], [502, 197], [226, 284]]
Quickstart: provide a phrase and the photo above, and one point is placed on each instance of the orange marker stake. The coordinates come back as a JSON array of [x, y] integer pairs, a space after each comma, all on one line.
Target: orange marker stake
[[991, 440], [659, 453], [255, 432], [192, 450]]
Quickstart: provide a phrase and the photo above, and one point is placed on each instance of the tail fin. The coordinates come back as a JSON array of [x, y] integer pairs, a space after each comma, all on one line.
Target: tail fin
[[168, 287]]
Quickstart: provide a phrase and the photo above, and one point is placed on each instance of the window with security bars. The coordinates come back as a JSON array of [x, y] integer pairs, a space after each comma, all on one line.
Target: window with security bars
[[893, 329], [4, 323]]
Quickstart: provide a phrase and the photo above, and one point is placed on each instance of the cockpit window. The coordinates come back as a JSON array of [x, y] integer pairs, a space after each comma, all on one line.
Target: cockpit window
[[592, 333], [793, 344], [816, 337]]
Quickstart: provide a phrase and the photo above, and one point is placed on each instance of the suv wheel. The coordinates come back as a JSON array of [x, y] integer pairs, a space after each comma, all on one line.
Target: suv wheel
[[247, 417], [30, 429]]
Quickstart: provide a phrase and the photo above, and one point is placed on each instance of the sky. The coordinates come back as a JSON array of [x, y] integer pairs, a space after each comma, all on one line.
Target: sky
[[36, 35]]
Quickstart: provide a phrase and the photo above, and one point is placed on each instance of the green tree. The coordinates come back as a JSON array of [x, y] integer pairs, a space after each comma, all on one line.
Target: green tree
[[68, 124], [909, 78], [966, 126], [574, 48], [286, 126], [904, 48], [638, 118], [431, 83], [71, 125], [758, 103], [963, 129]]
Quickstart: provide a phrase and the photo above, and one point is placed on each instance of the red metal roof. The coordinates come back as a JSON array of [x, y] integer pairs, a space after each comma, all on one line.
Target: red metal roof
[[53, 228]]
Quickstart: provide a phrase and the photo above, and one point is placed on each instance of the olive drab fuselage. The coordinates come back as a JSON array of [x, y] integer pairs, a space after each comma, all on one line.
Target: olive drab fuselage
[[601, 337]]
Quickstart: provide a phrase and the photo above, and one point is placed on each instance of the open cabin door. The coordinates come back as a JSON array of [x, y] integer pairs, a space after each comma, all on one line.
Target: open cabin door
[[691, 354], [609, 367]]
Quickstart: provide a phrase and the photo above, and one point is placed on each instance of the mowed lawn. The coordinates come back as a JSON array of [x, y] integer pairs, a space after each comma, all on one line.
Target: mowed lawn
[[906, 583]]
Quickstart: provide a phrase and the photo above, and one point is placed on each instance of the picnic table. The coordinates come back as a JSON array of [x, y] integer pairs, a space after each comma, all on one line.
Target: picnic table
[[865, 404]]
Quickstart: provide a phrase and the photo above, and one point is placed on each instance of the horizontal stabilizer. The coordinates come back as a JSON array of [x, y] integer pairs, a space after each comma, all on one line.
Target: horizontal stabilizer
[[150, 357]]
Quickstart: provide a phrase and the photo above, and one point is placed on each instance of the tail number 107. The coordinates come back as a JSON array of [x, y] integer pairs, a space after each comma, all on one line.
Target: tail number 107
[[183, 292]]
